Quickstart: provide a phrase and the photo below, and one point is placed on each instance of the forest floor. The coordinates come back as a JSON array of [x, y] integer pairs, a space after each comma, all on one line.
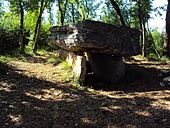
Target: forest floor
[[33, 95]]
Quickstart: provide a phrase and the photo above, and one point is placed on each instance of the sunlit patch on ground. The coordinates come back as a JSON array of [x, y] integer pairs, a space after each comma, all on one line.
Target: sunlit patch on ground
[[33, 95], [16, 119]]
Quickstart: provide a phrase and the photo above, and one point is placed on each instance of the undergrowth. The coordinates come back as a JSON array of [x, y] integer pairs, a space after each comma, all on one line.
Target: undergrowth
[[151, 57], [154, 57]]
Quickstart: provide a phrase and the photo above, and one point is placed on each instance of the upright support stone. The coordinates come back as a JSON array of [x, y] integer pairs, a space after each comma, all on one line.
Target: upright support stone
[[107, 67], [79, 68], [77, 62]]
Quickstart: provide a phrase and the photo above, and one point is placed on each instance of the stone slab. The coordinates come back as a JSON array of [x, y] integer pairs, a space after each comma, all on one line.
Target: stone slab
[[96, 37]]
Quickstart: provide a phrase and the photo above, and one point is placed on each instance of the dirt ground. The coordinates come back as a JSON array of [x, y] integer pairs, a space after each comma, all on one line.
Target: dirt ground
[[33, 96]]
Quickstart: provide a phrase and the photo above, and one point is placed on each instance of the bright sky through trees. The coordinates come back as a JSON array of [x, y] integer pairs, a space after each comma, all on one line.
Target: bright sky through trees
[[158, 21]]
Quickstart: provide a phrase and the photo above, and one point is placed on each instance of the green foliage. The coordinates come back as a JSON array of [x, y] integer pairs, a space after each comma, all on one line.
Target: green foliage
[[4, 59], [55, 60], [81, 11], [30, 24], [155, 44], [91, 7], [108, 14], [9, 40], [65, 65], [69, 76], [9, 32], [1, 8], [9, 21], [30, 21], [44, 34], [76, 10], [66, 73], [129, 10], [152, 56], [158, 40], [165, 59]]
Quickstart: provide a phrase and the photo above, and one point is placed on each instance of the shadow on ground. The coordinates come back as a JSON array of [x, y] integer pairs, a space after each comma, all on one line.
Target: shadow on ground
[[137, 78], [28, 102]]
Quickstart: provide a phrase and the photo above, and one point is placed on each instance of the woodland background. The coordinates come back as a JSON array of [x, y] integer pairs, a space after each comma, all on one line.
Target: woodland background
[[25, 24]]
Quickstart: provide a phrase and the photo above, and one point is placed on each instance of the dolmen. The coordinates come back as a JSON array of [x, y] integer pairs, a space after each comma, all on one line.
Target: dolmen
[[100, 44]]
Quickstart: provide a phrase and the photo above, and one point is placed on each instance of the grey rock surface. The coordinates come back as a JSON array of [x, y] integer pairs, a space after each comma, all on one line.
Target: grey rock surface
[[96, 37], [164, 73], [167, 80]]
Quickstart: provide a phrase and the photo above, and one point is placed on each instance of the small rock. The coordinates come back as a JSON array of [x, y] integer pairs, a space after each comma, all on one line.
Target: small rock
[[104, 104], [162, 84], [164, 73], [164, 120], [167, 80]]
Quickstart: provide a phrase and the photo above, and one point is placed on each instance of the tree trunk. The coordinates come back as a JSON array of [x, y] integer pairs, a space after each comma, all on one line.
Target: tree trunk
[[167, 35], [142, 27], [143, 38], [21, 38], [140, 23], [51, 16], [118, 12], [38, 27], [62, 12], [88, 10], [72, 5]]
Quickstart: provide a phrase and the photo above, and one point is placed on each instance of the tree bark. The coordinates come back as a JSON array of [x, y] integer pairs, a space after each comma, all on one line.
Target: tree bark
[[118, 12], [73, 13], [38, 26], [142, 27], [21, 38], [167, 35], [88, 10], [62, 12], [143, 38]]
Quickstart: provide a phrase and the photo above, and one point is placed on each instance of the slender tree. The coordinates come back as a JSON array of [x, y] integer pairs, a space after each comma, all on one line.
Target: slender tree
[[50, 11], [43, 4], [72, 12], [89, 8], [118, 12], [167, 35], [19, 6], [62, 9], [142, 22], [140, 14], [21, 37]]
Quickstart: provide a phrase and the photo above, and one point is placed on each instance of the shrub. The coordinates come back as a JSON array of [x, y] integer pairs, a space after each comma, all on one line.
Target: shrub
[[8, 40], [152, 56]]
